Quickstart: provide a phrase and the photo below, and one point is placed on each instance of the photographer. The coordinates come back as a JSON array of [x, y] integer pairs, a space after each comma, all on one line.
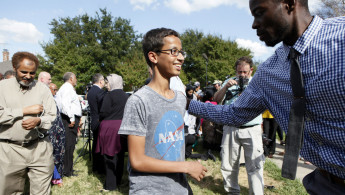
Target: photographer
[[247, 136]]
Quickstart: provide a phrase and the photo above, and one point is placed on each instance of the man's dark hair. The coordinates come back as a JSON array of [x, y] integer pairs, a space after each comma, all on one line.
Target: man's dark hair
[[20, 56], [153, 41], [67, 76], [97, 77], [9, 73], [245, 59]]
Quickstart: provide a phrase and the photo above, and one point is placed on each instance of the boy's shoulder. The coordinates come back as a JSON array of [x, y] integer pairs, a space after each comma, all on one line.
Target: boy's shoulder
[[143, 92]]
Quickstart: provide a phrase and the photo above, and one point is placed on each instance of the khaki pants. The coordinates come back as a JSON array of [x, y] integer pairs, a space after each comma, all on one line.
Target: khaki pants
[[251, 140], [16, 161]]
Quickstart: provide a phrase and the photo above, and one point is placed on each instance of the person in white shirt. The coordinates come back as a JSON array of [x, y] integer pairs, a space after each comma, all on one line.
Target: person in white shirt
[[68, 103], [177, 84]]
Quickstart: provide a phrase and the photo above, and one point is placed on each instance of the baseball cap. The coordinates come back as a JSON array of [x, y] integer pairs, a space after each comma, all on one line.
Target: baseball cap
[[217, 82], [196, 83]]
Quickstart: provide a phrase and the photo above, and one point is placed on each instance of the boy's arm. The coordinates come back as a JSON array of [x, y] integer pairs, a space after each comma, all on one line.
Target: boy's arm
[[140, 162]]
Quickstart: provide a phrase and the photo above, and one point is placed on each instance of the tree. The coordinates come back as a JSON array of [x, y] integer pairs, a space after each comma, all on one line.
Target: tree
[[87, 45], [331, 8], [221, 55]]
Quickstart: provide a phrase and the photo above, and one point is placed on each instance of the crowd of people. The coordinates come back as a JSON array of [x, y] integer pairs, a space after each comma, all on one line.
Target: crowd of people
[[159, 124]]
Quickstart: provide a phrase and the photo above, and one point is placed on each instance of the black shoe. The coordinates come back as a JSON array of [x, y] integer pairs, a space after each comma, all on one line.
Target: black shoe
[[211, 156], [282, 142], [269, 187], [242, 164]]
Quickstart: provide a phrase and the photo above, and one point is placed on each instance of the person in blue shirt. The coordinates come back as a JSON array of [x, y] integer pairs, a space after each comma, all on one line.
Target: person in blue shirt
[[321, 45]]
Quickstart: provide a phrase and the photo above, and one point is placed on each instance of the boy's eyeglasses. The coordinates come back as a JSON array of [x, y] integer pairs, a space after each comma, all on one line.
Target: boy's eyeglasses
[[174, 52]]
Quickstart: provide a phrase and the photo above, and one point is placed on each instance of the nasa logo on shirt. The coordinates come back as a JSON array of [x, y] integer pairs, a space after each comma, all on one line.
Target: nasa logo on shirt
[[169, 136]]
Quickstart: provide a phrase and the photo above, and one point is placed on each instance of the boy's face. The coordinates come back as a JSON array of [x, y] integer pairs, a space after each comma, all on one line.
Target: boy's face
[[168, 64]]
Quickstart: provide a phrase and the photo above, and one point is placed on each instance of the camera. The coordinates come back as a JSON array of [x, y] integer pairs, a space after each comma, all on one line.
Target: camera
[[242, 83], [87, 87]]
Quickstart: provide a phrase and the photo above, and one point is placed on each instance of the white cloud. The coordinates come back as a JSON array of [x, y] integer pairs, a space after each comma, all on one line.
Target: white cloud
[[259, 50], [142, 4], [188, 6], [11, 30]]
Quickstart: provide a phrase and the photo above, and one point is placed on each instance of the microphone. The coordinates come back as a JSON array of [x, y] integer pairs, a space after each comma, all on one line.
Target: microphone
[[205, 56]]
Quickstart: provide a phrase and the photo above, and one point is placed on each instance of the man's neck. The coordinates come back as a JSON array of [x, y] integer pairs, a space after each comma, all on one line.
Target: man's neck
[[98, 85], [300, 25]]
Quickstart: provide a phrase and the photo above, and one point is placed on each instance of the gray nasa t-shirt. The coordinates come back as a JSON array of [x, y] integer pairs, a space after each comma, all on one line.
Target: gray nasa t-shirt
[[160, 121]]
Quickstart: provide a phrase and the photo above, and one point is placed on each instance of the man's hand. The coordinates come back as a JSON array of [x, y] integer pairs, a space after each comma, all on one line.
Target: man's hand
[[230, 83], [34, 109], [196, 170], [219, 95], [31, 123], [71, 125]]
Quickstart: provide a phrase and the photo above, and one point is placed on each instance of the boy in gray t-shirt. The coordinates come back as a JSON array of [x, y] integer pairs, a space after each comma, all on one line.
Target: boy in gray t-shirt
[[153, 121]]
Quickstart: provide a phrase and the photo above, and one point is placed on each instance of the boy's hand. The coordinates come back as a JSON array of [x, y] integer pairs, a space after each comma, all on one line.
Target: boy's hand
[[196, 170]]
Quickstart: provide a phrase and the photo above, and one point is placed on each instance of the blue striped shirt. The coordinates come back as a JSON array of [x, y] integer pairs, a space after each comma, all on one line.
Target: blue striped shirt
[[322, 60]]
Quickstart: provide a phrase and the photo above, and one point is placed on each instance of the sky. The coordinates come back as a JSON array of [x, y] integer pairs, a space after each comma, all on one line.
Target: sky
[[24, 24]]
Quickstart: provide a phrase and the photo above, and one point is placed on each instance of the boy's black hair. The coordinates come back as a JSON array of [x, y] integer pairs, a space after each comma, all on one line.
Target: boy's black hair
[[153, 41]]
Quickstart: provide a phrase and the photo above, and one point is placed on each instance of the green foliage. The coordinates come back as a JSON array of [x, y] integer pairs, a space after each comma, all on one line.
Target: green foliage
[[87, 45], [103, 44], [221, 54], [290, 186]]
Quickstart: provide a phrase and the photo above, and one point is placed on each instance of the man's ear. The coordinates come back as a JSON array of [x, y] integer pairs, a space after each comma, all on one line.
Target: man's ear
[[290, 5], [153, 57]]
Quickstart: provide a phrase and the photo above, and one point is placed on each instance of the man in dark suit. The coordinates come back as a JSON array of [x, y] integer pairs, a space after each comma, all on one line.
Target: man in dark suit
[[95, 98]]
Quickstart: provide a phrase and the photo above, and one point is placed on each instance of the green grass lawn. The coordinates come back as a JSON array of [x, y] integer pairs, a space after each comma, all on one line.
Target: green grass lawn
[[89, 183]]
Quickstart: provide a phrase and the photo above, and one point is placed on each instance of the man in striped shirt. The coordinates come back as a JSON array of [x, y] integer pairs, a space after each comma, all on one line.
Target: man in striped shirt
[[321, 45]]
